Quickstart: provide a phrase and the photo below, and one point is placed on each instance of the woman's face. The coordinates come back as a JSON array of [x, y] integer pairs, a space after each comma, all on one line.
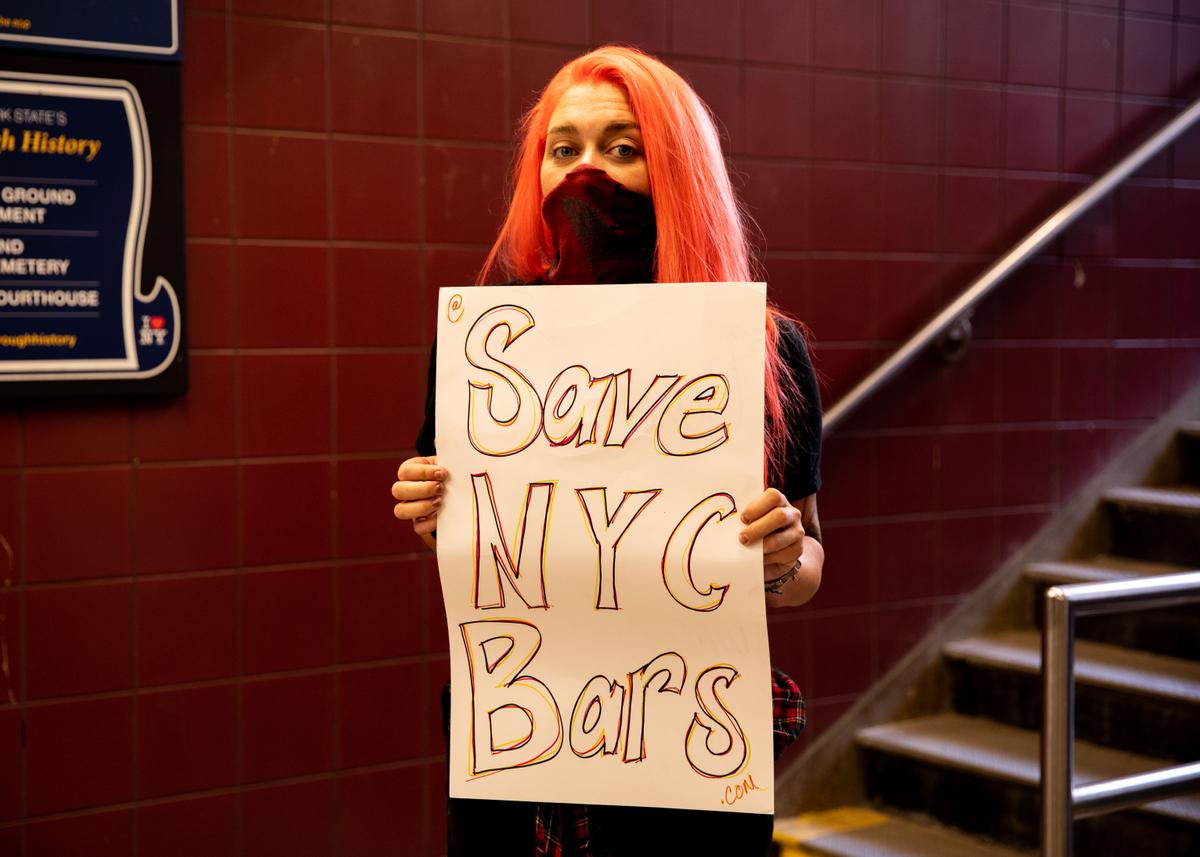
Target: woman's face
[[593, 125]]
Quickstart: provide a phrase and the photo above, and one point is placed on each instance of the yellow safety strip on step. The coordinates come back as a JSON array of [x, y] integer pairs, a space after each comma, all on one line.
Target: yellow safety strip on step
[[798, 829]]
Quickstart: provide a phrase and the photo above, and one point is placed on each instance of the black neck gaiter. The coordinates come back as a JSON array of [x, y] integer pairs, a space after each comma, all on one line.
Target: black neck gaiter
[[602, 231]]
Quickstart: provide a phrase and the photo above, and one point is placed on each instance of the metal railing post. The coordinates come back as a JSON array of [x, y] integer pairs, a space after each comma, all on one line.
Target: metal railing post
[[1058, 719]]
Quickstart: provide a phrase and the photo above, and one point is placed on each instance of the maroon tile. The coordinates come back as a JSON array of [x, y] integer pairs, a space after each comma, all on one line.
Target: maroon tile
[[1018, 311], [103, 834], [532, 20], [186, 629], [1084, 308], [1028, 202], [1089, 133], [839, 368], [778, 31], [464, 94], [368, 421], [369, 177], [908, 212], [968, 470], [284, 404], [374, 83], [969, 552], [289, 821], [288, 727], [1034, 45], [1146, 57], [974, 39], [188, 828], [841, 654], [311, 10], [788, 635], [187, 740], [76, 433], [210, 295], [971, 214], [912, 32], [466, 18], [1028, 461], [1091, 50], [99, 542], [907, 473], [302, 488], [842, 299], [849, 566], [80, 754], [197, 426], [917, 400], [777, 115], [909, 130], [910, 293], [205, 84], [1187, 57], [898, 630], [1145, 302], [641, 23], [206, 181], [1185, 369], [1095, 233], [380, 812], [1085, 384], [1142, 382], [708, 28], [366, 523], [186, 518], [974, 127], [1081, 453], [844, 118], [377, 720], [10, 763], [530, 69], [844, 34], [79, 639], [1014, 530], [380, 608], [10, 439], [287, 620], [280, 189], [377, 297], [1187, 303], [720, 87], [971, 388], [396, 14], [282, 296], [1027, 389], [1160, 7], [1032, 126], [1138, 119], [464, 190], [278, 75], [845, 207], [1144, 215], [787, 284], [1186, 204], [11, 648]]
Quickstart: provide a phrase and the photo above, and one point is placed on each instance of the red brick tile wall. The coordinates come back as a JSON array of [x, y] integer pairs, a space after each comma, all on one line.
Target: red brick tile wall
[[215, 638]]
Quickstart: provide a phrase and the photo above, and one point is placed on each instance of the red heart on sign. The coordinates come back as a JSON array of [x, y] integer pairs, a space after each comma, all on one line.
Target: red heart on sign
[[157, 322]]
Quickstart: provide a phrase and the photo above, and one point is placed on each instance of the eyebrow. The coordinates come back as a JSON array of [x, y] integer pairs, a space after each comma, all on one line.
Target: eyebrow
[[608, 129]]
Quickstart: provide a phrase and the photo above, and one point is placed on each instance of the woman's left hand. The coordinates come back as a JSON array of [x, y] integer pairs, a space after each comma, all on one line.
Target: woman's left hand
[[779, 525]]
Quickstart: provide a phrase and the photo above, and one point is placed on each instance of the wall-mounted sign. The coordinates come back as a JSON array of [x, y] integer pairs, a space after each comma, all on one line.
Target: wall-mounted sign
[[141, 28], [91, 227]]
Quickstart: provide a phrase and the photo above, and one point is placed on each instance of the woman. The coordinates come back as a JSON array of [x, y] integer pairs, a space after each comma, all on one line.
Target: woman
[[619, 178]]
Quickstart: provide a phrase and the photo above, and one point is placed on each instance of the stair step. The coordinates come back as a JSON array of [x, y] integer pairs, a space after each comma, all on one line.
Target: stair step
[[982, 776], [1097, 664], [1177, 499], [863, 832], [1098, 569]]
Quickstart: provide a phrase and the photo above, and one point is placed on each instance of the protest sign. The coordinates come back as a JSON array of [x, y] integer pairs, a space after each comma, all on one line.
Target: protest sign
[[607, 628]]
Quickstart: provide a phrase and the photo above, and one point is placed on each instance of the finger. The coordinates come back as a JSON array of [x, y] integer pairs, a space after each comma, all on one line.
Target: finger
[[776, 519], [416, 490], [425, 526], [763, 503], [417, 509], [785, 557], [773, 570], [789, 539], [420, 470]]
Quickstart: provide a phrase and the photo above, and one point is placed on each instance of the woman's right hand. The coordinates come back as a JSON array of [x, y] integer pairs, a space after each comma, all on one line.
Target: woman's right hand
[[418, 493]]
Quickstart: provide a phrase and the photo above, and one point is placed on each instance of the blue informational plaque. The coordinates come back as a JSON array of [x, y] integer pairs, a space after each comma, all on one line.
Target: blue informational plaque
[[141, 28], [76, 179]]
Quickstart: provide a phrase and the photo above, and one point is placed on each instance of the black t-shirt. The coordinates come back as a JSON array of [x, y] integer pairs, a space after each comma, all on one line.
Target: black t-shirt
[[802, 472]]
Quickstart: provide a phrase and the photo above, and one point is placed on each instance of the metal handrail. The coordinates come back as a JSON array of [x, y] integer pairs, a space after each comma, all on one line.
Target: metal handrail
[[1062, 800], [1046, 231]]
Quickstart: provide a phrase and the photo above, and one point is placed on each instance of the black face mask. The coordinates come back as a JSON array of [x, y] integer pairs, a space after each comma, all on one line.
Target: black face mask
[[602, 231]]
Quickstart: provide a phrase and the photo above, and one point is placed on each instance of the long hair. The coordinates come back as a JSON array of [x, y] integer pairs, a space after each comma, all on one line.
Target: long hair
[[701, 227]]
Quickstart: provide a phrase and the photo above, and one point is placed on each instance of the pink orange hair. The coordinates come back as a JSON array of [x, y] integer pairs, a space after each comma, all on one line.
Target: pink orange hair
[[701, 227]]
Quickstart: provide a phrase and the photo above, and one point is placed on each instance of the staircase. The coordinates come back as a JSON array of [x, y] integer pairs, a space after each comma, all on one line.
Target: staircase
[[963, 781]]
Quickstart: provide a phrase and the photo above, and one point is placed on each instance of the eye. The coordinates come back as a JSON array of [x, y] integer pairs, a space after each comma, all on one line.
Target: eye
[[562, 151], [624, 151]]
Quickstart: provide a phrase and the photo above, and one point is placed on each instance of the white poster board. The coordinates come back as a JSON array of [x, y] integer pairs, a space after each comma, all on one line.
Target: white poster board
[[608, 636]]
